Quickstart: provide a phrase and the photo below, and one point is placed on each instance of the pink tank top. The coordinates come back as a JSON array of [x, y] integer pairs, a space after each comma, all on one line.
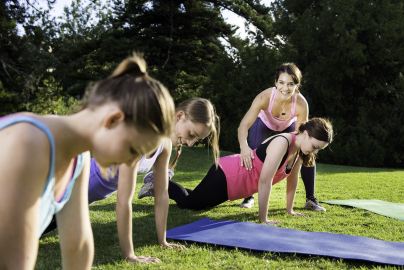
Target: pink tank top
[[242, 183], [274, 123]]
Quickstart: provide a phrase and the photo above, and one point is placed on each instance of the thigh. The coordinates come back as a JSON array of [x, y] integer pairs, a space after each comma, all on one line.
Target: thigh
[[211, 191]]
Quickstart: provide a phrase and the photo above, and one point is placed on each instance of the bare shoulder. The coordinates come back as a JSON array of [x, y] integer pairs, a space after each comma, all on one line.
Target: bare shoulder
[[302, 107], [266, 94], [24, 137], [301, 100], [281, 141], [166, 151], [262, 99], [167, 145], [28, 148]]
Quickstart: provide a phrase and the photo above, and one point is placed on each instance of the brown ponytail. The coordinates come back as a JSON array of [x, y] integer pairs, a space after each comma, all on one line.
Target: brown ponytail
[[145, 101], [178, 152]]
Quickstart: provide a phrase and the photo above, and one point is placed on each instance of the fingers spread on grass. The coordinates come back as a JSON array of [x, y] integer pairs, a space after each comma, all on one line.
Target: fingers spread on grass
[[143, 259]]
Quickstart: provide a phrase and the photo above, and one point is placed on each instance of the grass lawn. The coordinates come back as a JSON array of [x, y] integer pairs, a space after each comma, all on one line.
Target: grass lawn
[[333, 182]]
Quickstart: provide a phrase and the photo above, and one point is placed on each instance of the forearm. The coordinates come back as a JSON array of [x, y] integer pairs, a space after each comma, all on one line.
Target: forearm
[[79, 256], [264, 193], [161, 212], [124, 226], [242, 134], [290, 194], [290, 197]]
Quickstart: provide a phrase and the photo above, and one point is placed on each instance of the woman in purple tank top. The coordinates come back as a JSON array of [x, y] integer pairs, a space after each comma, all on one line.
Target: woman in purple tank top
[[196, 119], [278, 157], [275, 110]]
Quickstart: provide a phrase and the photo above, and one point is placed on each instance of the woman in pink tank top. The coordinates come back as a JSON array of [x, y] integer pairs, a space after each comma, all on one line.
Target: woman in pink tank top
[[277, 158], [275, 110]]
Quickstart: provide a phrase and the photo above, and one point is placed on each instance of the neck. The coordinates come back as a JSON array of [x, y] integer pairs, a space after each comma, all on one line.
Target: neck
[[78, 131], [298, 142]]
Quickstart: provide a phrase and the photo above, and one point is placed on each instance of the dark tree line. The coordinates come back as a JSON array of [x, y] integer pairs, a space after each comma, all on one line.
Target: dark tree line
[[350, 53]]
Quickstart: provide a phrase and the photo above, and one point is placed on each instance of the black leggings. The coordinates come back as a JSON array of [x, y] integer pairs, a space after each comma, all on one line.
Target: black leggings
[[260, 132], [210, 192]]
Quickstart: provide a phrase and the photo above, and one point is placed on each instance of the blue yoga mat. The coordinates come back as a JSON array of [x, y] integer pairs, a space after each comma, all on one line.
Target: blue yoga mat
[[388, 209], [260, 237]]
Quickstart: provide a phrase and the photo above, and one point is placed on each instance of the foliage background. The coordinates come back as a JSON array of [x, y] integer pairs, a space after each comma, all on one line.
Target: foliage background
[[350, 53]]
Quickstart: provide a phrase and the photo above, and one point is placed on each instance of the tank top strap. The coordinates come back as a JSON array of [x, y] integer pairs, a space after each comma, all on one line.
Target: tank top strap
[[293, 108], [12, 120], [271, 100]]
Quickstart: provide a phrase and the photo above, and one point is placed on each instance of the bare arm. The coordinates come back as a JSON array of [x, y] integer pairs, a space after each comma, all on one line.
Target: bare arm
[[76, 237], [22, 182], [291, 186], [161, 200], [275, 152], [260, 103], [126, 187], [302, 110]]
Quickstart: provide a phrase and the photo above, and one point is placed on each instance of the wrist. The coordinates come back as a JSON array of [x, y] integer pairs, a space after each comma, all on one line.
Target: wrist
[[263, 219], [128, 255], [244, 146], [163, 243]]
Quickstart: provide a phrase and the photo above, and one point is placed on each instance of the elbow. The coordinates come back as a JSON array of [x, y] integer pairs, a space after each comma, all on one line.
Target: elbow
[[265, 183], [241, 127], [79, 256]]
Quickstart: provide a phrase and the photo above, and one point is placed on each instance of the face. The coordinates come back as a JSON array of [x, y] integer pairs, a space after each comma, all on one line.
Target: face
[[312, 145], [285, 85], [188, 132], [121, 143]]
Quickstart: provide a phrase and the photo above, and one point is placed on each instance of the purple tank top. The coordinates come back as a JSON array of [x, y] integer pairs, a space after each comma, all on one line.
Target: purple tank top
[[100, 188]]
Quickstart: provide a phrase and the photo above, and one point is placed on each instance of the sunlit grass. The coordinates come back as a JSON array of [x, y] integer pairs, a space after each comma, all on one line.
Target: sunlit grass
[[333, 182]]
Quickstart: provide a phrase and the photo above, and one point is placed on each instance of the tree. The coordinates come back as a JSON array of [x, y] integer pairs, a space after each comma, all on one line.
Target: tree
[[24, 56], [352, 58], [180, 40]]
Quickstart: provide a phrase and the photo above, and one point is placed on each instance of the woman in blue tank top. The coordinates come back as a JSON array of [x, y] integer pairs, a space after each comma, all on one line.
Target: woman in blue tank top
[[196, 119], [44, 173]]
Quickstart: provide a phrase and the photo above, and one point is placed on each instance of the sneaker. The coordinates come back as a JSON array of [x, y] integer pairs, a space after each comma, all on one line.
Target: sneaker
[[147, 190], [247, 202], [149, 177], [314, 205]]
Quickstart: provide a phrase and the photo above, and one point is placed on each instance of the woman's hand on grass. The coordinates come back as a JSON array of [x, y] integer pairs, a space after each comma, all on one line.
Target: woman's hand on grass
[[297, 214], [173, 245], [142, 259], [271, 222]]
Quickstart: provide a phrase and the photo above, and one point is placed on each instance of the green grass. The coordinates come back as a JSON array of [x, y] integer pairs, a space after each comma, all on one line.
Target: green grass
[[333, 182]]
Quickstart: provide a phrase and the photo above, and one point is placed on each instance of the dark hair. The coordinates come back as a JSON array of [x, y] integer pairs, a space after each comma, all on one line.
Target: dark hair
[[202, 111], [145, 101], [320, 129], [292, 70]]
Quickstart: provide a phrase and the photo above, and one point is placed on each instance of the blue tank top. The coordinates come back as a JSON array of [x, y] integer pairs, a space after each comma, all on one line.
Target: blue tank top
[[49, 206]]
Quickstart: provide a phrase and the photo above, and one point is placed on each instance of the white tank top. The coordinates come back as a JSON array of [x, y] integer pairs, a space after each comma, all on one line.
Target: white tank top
[[145, 164]]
